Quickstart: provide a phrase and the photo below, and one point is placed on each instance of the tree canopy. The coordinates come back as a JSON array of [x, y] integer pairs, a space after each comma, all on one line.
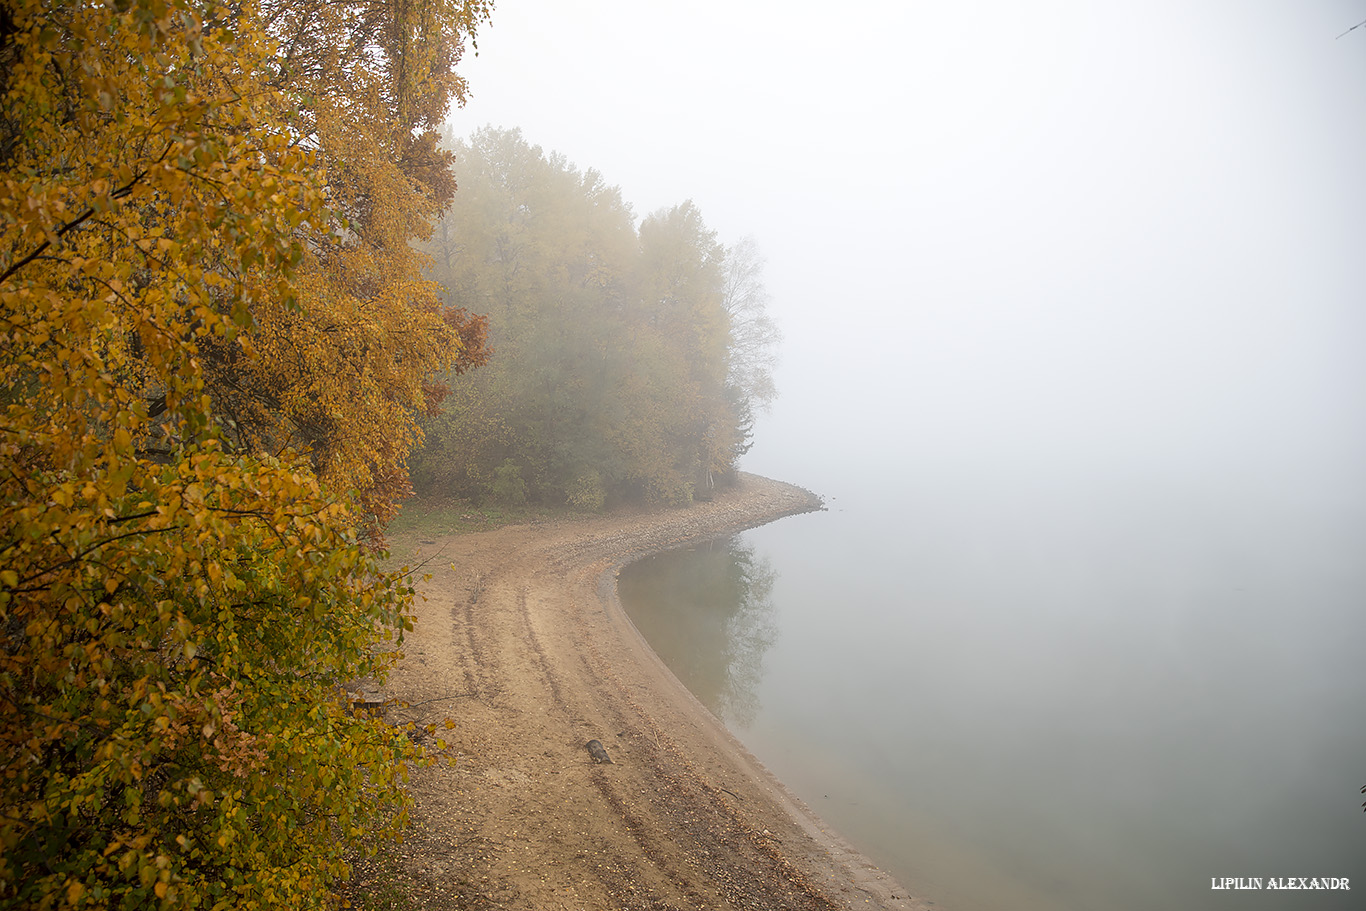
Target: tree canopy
[[628, 357], [215, 345]]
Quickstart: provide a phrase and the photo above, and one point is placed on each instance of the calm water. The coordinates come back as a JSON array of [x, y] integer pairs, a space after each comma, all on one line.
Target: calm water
[[1065, 698]]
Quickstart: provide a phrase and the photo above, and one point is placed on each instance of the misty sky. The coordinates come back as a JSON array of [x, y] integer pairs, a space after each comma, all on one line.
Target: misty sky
[[1082, 237]]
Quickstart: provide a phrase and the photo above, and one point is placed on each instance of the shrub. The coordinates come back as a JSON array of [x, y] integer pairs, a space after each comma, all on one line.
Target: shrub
[[586, 492], [508, 487]]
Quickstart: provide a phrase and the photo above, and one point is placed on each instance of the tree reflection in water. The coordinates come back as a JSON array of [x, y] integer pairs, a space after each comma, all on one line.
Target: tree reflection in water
[[707, 611]]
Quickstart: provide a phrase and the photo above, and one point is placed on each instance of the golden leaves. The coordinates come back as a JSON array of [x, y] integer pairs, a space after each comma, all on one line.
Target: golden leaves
[[176, 602]]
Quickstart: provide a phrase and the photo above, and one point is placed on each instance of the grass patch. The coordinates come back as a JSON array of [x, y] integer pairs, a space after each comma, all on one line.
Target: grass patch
[[431, 517]]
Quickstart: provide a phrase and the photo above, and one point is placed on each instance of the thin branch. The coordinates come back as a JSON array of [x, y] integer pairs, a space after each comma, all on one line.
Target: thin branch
[[120, 193], [42, 248], [76, 558], [1353, 28], [140, 515]]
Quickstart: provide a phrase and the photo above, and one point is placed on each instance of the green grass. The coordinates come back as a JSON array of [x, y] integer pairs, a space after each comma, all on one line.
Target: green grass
[[430, 517]]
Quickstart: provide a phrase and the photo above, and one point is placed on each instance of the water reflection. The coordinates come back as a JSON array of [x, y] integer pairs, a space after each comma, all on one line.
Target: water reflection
[[707, 610], [1046, 699]]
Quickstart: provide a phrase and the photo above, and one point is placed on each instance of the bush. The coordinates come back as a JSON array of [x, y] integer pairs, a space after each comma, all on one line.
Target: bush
[[508, 487], [586, 492]]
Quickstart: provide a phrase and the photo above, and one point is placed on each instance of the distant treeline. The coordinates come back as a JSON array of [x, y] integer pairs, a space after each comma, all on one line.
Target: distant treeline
[[627, 359]]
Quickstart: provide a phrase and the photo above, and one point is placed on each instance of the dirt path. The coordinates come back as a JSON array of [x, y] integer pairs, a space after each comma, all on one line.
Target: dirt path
[[522, 643]]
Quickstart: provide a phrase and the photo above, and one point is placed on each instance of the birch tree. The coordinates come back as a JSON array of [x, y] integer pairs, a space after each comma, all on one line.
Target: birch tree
[[190, 277]]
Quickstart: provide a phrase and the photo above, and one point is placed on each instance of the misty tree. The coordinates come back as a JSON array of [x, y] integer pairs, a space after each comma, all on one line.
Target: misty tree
[[680, 299], [625, 354], [754, 336]]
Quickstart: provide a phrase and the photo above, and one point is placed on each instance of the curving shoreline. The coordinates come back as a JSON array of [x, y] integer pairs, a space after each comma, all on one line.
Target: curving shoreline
[[523, 643]]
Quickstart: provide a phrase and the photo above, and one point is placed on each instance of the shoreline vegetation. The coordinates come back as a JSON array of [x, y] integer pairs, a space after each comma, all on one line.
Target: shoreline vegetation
[[225, 366], [520, 640]]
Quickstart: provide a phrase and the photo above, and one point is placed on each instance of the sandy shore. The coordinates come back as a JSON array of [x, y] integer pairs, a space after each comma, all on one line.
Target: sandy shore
[[521, 642]]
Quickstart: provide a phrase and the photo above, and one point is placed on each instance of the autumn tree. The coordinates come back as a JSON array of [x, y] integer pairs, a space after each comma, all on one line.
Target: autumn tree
[[204, 288], [613, 368], [346, 372]]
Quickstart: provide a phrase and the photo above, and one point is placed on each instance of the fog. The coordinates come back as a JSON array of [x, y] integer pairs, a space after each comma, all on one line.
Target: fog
[[1071, 296], [1070, 237]]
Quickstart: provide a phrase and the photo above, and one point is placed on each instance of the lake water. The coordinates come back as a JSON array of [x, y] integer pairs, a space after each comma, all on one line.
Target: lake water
[[1030, 697]]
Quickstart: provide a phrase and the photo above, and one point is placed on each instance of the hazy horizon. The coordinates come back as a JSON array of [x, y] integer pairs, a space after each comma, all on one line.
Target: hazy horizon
[[1079, 238], [1073, 316]]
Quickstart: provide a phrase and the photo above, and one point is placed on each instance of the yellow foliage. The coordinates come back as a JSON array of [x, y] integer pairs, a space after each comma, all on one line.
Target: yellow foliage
[[182, 587], [343, 370]]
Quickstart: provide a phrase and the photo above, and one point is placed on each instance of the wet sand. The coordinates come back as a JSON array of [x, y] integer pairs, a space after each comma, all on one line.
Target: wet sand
[[521, 642]]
